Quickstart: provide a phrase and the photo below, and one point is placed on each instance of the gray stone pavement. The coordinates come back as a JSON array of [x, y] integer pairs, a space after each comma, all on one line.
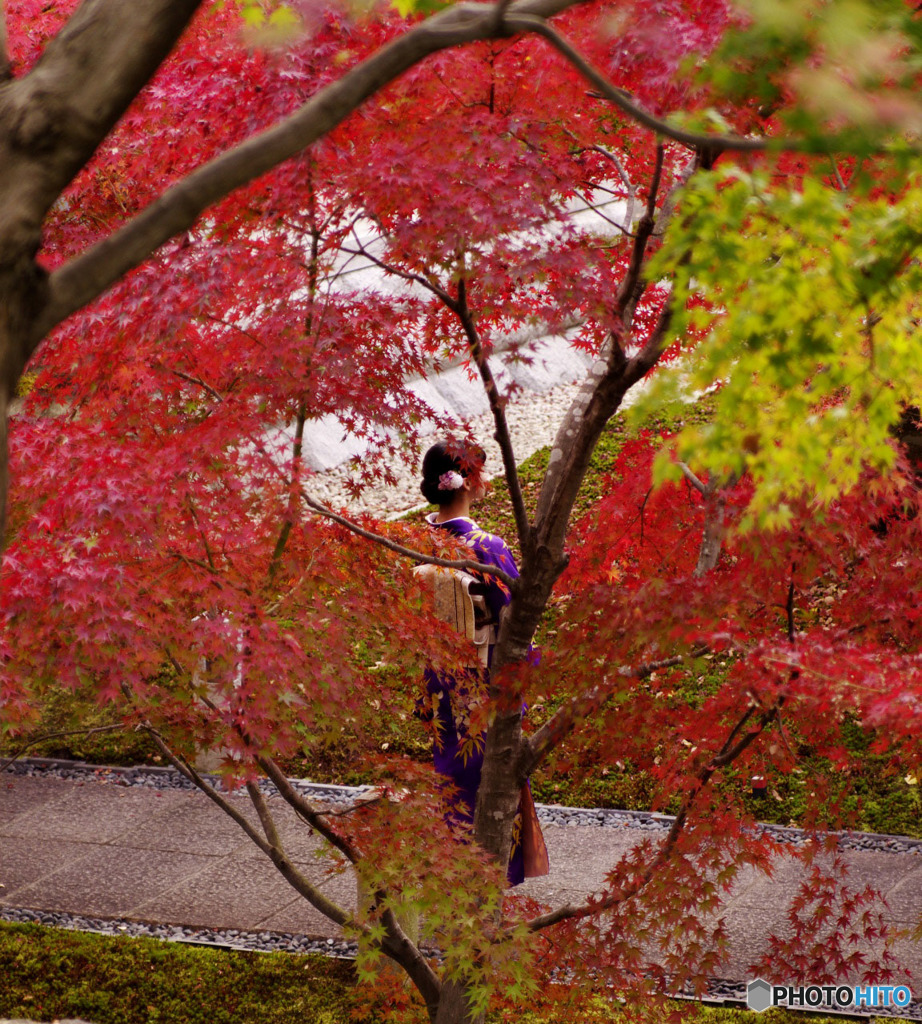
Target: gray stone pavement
[[172, 857]]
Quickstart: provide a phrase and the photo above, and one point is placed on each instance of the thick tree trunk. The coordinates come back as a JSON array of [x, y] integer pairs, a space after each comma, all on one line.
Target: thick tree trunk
[[23, 289]]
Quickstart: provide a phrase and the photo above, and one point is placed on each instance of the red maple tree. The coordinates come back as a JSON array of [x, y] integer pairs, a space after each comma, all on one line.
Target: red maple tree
[[164, 550]]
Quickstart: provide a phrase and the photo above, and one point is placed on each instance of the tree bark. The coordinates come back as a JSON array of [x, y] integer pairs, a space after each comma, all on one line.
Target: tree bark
[[454, 1007], [712, 536]]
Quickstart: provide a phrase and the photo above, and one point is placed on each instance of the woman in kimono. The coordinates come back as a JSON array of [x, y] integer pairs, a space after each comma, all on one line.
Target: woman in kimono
[[452, 480]]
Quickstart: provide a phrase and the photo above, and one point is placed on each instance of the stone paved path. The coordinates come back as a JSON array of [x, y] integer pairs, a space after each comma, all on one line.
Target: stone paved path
[[172, 857]]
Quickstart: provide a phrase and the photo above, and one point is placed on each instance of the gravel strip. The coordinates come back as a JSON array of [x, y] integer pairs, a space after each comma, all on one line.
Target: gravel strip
[[262, 942], [533, 421]]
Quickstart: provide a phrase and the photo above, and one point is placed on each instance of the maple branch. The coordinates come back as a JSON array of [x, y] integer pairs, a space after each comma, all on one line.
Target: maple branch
[[655, 345], [407, 275], [733, 746], [632, 284], [694, 140], [275, 559], [498, 408], [306, 810], [789, 607], [264, 815], [565, 720], [53, 736], [596, 208], [619, 167], [604, 388], [625, 180], [202, 535], [459, 306], [395, 942], [300, 804], [303, 886], [258, 342], [95, 270], [840, 181], [692, 479], [449, 563], [197, 381]]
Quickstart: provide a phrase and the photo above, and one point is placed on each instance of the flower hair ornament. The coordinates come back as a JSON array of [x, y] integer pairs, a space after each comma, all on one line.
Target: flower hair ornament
[[450, 481]]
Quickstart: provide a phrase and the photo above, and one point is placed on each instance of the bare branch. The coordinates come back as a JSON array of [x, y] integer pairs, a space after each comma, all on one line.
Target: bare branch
[[53, 736], [655, 344], [189, 772], [602, 392], [467, 565], [620, 228], [460, 307], [197, 381], [407, 275], [288, 522], [202, 535], [619, 167], [695, 140], [298, 882], [837, 174], [395, 942], [692, 479], [265, 817], [306, 810], [498, 408], [789, 607], [6, 72], [258, 342], [632, 284], [733, 746], [565, 720]]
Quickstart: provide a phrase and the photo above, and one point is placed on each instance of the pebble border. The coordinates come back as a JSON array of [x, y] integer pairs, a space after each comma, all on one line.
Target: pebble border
[[719, 991]]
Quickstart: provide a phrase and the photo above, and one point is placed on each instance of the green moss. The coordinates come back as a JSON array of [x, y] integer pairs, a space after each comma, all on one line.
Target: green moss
[[73, 724], [49, 974]]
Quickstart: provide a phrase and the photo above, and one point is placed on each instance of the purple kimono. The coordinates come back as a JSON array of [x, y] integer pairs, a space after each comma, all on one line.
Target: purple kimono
[[450, 693]]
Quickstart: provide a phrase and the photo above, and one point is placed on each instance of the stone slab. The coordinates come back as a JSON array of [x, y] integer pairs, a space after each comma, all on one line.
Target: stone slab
[[107, 881], [24, 863], [93, 812], [230, 892], [190, 824]]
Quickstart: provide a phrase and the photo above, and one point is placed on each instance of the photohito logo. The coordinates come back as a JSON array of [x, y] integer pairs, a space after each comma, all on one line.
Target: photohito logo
[[760, 996]]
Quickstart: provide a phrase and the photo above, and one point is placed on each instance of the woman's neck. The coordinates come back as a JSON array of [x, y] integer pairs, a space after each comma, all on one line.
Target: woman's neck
[[458, 508]]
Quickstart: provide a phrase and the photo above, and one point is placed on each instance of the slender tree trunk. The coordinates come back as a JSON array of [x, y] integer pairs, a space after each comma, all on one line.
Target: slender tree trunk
[[454, 1007], [715, 509]]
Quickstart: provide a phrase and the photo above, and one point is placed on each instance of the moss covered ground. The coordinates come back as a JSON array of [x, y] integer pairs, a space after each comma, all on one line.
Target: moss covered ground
[[49, 974]]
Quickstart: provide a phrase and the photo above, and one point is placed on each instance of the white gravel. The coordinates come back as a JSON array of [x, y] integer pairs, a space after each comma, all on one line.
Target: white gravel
[[533, 422]]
